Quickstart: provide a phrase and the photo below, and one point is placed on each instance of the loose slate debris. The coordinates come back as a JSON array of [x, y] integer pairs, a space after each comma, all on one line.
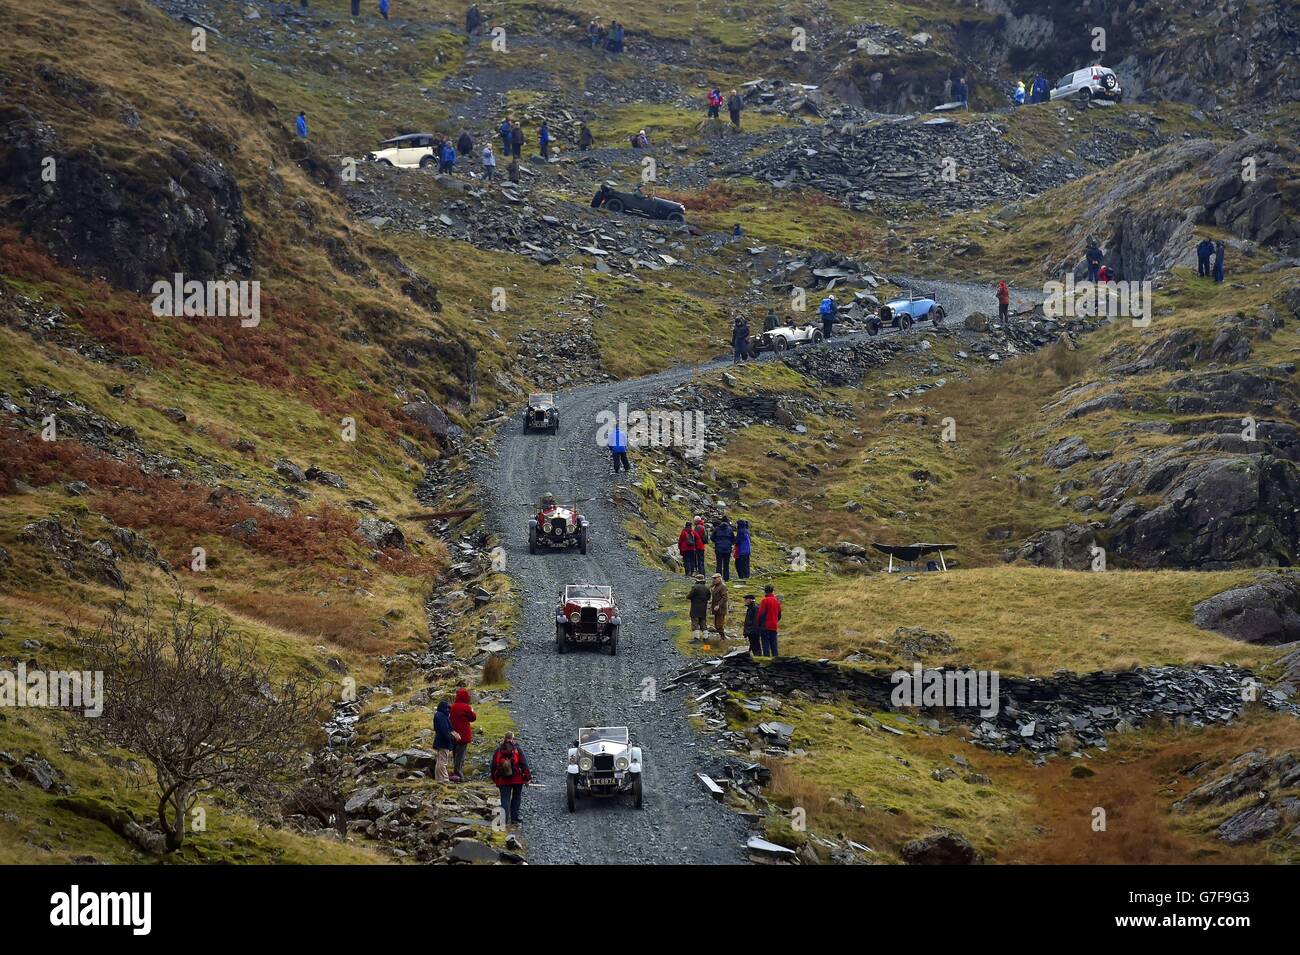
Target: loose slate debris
[[1034, 714]]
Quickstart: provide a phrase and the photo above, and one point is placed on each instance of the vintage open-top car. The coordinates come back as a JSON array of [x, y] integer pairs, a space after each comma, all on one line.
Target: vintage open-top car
[[785, 337], [556, 525], [587, 616], [637, 203], [902, 312], [603, 761], [541, 413]]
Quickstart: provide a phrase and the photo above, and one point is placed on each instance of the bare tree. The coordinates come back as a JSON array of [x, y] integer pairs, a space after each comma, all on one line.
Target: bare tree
[[193, 699]]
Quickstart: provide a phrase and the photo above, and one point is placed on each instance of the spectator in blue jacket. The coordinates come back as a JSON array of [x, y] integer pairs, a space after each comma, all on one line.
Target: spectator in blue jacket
[[447, 159], [1204, 251], [724, 538], [505, 136], [444, 741], [383, 9], [301, 125], [829, 311], [1018, 97], [960, 92], [744, 545], [544, 139], [618, 449], [1039, 92]]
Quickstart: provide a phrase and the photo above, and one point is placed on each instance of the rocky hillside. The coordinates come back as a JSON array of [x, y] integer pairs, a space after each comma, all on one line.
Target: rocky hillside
[[323, 478]]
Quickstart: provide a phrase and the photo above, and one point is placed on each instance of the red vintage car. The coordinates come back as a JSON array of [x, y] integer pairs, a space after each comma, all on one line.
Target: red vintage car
[[556, 525], [587, 616]]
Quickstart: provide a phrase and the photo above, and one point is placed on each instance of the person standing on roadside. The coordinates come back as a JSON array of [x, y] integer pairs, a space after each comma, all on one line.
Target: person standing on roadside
[[1004, 300], [300, 124], [686, 547], [752, 633], [618, 449], [489, 162], [734, 105], [744, 545], [462, 715], [383, 9], [510, 774], [699, 598], [769, 621], [1219, 252], [516, 139], [724, 539], [443, 742], [544, 140], [715, 102], [718, 604]]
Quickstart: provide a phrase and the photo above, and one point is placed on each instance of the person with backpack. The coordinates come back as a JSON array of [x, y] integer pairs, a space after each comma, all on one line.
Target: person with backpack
[[618, 449], [752, 633], [1004, 300], [715, 102], [734, 105], [701, 543], [744, 546], [769, 620], [444, 741], [829, 311], [510, 774], [724, 538], [699, 598], [544, 140], [489, 162], [462, 715], [686, 547]]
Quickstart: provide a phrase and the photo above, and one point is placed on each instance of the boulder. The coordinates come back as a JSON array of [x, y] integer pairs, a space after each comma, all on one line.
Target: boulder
[[382, 534], [940, 848], [1267, 611]]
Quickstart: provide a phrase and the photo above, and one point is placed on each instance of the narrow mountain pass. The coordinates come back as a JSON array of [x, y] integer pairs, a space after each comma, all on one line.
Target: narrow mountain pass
[[553, 694]]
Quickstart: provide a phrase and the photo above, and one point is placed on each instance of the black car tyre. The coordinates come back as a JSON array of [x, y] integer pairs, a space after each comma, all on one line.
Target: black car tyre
[[582, 540], [873, 327], [1085, 94], [904, 321], [637, 797], [779, 343], [614, 205], [676, 217], [426, 162], [384, 162], [613, 641], [1108, 81], [817, 336], [571, 793], [937, 314], [560, 643], [532, 538]]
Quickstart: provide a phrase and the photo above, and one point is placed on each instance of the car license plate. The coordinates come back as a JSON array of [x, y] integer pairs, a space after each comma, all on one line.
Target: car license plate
[[598, 781]]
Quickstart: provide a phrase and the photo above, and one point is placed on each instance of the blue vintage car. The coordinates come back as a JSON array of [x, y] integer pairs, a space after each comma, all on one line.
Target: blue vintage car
[[902, 312]]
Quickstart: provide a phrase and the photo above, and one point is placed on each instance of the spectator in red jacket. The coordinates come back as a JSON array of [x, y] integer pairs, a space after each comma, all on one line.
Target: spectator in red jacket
[[510, 773], [462, 715], [769, 620], [701, 543], [686, 547], [1004, 299]]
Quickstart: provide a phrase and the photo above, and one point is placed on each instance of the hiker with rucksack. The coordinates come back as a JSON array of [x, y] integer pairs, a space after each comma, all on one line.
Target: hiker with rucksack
[[510, 774]]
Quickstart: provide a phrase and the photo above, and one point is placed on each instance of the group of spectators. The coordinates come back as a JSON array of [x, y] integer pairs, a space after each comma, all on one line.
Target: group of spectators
[[734, 105], [693, 542], [762, 618], [453, 731], [610, 39]]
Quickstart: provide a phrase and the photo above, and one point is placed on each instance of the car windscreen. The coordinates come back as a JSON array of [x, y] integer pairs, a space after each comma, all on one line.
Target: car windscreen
[[612, 734], [541, 399], [587, 592]]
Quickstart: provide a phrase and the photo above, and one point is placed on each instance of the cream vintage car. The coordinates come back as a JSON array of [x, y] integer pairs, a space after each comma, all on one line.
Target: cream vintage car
[[411, 151], [603, 761]]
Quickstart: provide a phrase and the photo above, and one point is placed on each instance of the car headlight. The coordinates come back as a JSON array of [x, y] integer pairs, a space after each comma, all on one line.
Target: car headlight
[[621, 763], [575, 617], [585, 764], [603, 618]]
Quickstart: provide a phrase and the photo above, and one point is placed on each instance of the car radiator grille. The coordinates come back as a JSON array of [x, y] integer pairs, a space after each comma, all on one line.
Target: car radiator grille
[[557, 527], [603, 763]]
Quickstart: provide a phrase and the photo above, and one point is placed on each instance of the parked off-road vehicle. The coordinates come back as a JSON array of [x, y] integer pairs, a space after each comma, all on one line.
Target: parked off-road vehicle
[[1095, 82], [637, 203]]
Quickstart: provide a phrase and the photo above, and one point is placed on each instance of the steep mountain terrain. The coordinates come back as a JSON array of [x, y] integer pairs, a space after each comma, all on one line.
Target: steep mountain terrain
[[337, 475]]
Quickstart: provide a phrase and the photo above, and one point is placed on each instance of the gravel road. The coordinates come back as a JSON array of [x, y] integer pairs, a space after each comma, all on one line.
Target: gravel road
[[552, 694]]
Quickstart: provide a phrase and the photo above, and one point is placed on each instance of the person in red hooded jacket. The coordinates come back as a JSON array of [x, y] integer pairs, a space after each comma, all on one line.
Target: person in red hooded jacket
[[1004, 299], [701, 544], [462, 715], [686, 547], [511, 774]]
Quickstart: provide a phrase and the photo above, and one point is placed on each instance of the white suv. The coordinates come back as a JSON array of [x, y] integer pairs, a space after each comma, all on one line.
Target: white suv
[[406, 152], [1095, 81]]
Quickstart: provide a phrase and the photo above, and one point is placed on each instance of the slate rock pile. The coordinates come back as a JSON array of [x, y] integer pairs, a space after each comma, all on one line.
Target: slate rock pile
[[1272, 785]]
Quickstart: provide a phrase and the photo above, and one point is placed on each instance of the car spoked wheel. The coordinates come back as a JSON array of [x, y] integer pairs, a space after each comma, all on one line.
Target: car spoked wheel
[[873, 327], [779, 344], [638, 799], [614, 205], [904, 321], [937, 316], [426, 162]]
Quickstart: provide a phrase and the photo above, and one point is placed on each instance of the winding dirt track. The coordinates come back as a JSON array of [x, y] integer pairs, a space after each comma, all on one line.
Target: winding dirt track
[[552, 694]]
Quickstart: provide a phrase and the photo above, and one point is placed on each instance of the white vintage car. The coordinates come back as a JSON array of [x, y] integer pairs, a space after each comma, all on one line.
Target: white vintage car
[[785, 337], [603, 762], [407, 152]]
